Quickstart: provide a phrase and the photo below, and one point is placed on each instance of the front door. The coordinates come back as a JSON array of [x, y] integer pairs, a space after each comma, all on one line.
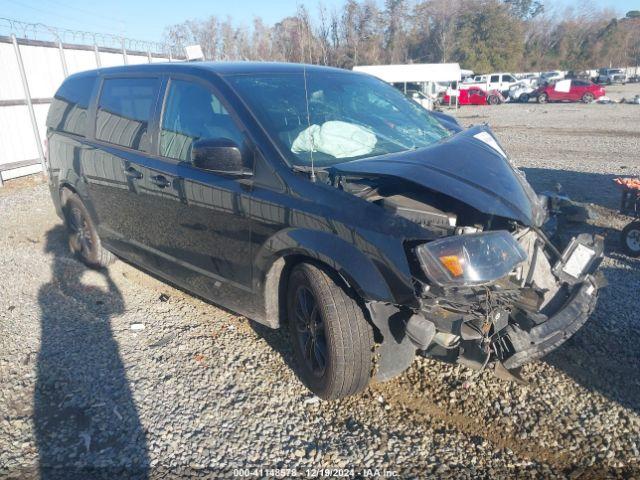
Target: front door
[[206, 227]]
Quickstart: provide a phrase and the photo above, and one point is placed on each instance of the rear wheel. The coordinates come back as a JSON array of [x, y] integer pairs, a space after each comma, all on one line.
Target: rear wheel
[[332, 340], [587, 97], [543, 98], [524, 98], [83, 237], [630, 239], [493, 100]]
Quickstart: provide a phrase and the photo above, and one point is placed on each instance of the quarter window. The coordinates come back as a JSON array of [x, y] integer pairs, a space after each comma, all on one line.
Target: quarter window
[[68, 111], [125, 110], [191, 113]]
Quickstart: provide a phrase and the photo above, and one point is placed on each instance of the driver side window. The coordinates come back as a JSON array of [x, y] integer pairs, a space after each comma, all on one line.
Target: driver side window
[[192, 112]]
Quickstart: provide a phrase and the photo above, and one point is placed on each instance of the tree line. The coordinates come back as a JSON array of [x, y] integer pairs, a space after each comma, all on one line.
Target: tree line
[[481, 35]]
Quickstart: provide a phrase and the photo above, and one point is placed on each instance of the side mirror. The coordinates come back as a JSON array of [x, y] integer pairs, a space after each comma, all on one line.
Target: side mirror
[[220, 155]]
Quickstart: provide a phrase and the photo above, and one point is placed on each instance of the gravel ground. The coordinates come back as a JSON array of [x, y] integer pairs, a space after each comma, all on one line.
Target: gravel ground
[[199, 391]]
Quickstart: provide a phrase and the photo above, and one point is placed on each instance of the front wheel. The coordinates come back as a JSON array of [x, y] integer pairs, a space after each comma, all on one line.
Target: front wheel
[[543, 98], [630, 239], [493, 100], [524, 98], [332, 340], [587, 98]]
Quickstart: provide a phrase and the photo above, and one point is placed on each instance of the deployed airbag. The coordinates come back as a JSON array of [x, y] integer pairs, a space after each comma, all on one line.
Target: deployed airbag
[[335, 138]]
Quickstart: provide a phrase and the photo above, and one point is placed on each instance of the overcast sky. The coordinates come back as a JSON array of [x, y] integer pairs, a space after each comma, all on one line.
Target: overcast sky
[[147, 19]]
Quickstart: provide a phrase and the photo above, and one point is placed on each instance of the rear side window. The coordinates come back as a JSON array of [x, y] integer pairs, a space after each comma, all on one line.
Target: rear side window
[[191, 113], [125, 109], [68, 111], [495, 78]]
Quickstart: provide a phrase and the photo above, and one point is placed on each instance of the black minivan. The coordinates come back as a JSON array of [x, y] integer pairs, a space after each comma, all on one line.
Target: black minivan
[[324, 200]]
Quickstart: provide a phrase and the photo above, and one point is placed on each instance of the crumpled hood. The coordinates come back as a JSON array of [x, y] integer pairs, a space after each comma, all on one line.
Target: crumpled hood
[[469, 166]]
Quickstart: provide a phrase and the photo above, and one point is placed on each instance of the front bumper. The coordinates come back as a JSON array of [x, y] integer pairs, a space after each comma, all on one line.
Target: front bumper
[[542, 339]]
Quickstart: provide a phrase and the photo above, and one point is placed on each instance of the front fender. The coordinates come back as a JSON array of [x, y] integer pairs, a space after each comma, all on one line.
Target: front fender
[[350, 262]]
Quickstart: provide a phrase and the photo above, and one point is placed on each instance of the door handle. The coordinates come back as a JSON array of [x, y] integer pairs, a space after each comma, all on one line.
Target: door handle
[[133, 173], [160, 181]]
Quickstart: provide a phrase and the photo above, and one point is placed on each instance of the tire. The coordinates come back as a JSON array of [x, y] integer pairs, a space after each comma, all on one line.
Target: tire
[[334, 356], [543, 98], [524, 98], [587, 98], [630, 239], [83, 237], [493, 100]]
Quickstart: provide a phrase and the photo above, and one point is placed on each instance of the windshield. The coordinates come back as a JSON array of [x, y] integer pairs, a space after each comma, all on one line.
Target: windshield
[[347, 116]]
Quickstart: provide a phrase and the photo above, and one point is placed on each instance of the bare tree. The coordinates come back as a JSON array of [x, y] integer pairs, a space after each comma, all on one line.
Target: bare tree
[[485, 34]]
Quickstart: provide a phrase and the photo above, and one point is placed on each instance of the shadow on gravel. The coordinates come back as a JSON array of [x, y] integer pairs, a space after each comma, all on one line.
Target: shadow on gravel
[[86, 421], [278, 340], [603, 355]]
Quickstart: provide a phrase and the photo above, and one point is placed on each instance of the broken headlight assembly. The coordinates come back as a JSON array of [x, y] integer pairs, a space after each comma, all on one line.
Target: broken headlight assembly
[[472, 259]]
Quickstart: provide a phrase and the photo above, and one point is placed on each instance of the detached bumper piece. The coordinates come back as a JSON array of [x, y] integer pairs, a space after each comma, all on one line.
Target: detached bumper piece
[[537, 342]]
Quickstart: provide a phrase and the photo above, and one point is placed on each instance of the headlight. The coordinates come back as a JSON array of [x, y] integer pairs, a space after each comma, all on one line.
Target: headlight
[[471, 259]]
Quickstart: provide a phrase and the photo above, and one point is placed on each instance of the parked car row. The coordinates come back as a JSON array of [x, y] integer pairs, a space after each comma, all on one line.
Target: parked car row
[[503, 81], [566, 90]]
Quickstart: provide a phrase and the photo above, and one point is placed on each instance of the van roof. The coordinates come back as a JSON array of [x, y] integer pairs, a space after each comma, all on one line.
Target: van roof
[[219, 68]]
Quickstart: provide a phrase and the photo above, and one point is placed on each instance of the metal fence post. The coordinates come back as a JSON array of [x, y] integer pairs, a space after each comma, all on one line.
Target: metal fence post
[[97, 53], [149, 55], [27, 94], [124, 54], [63, 60], [170, 56]]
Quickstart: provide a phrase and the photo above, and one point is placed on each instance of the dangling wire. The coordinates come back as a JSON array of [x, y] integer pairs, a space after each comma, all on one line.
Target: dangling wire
[[306, 101]]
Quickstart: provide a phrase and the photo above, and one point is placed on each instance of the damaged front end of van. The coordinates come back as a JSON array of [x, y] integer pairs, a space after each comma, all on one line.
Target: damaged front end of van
[[492, 289]]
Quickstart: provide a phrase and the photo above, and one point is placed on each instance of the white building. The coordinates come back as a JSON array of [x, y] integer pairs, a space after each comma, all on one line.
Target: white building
[[422, 81]]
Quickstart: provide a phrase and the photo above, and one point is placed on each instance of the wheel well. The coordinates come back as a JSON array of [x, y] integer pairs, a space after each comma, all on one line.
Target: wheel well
[[276, 284]]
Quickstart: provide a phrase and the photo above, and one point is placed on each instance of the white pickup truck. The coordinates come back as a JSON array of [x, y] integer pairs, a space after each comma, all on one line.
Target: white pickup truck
[[611, 75], [492, 81]]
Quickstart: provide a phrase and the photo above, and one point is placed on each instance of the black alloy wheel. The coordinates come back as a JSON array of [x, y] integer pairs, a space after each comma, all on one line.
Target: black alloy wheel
[[310, 330], [80, 235]]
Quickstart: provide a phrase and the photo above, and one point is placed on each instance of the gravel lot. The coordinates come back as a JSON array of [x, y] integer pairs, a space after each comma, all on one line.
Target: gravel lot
[[199, 391]]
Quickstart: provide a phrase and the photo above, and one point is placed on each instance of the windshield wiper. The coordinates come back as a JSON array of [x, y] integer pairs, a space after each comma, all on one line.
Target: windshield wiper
[[307, 168]]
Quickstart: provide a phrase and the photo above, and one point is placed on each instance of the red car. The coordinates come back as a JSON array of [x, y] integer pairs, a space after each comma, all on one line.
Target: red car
[[476, 96], [569, 91]]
